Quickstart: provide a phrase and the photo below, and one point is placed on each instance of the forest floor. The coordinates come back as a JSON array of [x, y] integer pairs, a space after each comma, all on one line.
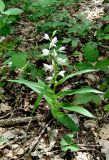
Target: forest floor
[[38, 138]]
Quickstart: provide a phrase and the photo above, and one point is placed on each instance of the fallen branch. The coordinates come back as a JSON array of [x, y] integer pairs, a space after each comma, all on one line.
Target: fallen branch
[[15, 121]]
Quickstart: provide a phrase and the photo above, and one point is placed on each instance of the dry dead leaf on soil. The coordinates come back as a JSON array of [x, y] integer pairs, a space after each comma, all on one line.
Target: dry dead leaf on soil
[[104, 141], [5, 107], [90, 124], [83, 156], [9, 134]]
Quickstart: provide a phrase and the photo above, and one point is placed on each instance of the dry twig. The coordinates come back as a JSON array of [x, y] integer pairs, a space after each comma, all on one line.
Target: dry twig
[[36, 142], [14, 121]]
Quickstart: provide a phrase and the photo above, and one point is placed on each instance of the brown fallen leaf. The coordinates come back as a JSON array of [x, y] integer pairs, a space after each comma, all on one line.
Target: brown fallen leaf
[[9, 134], [104, 140], [83, 156], [5, 107]]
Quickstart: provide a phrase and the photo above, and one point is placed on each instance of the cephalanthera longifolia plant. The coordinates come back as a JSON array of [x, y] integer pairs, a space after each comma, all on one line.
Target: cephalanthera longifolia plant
[[47, 88]]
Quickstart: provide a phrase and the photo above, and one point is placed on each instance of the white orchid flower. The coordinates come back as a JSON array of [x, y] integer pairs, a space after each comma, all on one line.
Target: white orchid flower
[[53, 42], [61, 61], [61, 73], [48, 67], [46, 36], [45, 52], [62, 49]]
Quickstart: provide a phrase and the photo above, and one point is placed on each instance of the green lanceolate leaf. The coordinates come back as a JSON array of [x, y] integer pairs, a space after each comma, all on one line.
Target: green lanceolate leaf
[[91, 52], [77, 109], [50, 98], [74, 74], [65, 120], [34, 86], [78, 91], [39, 88], [2, 6], [13, 11], [38, 100]]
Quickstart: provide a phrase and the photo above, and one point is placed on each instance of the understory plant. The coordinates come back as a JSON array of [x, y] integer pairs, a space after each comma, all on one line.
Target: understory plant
[[7, 17], [56, 75]]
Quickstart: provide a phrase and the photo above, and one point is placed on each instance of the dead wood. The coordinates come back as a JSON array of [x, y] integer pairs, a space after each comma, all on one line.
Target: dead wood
[[15, 121]]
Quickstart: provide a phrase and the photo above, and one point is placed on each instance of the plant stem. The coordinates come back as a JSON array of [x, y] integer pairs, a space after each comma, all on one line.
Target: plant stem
[[54, 74]]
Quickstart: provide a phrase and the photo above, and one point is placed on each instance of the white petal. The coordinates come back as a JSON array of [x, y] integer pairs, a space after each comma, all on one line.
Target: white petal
[[61, 61], [46, 36], [54, 40], [48, 67], [61, 73], [52, 45], [62, 49], [49, 78], [45, 52]]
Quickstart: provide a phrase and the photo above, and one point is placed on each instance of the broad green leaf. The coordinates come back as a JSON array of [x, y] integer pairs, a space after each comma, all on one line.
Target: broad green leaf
[[75, 42], [65, 120], [84, 65], [106, 29], [43, 3], [106, 37], [78, 91], [91, 52], [106, 18], [73, 147], [106, 95], [102, 64], [86, 98], [106, 108], [67, 143], [5, 30], [66, 40], [77, 109], [2, 6], [74, 74], [13, 11], [19, 60]]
